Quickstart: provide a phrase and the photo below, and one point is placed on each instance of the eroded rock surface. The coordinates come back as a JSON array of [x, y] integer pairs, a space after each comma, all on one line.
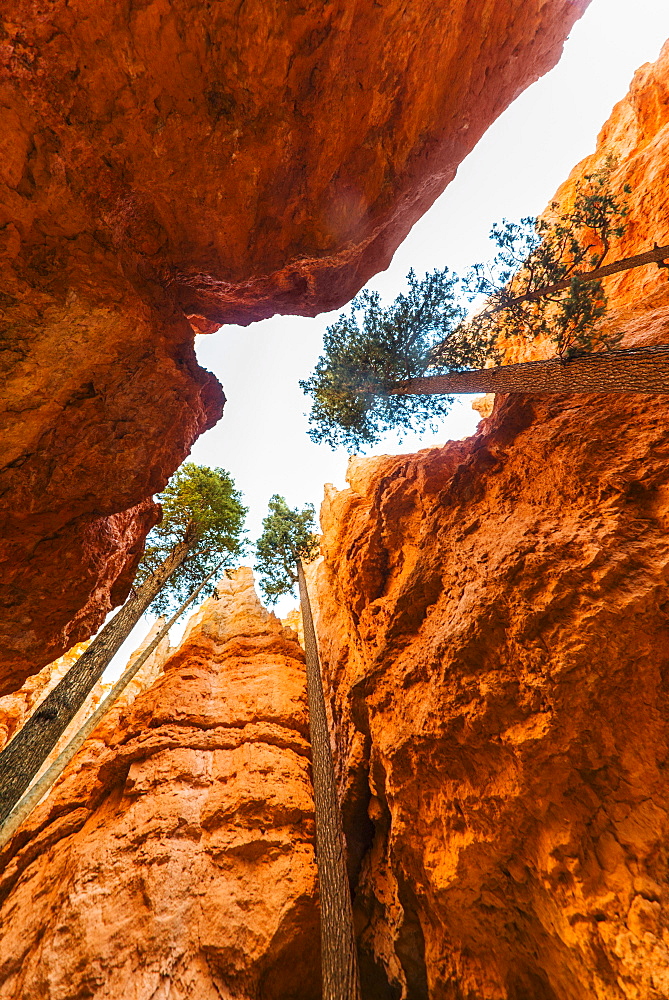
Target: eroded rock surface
[[174, 858], [57, 589], [495, 625], [218, 161]]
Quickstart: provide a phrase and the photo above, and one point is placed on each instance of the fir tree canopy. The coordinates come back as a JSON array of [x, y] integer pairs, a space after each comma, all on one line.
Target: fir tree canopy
[[200, 505], [288, 535], [536, 254], [357, 386], [372, 348]]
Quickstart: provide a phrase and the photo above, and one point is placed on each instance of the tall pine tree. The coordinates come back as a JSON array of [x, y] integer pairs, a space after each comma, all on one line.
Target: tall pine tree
[[398, 366], [288, 538], [202, 520]]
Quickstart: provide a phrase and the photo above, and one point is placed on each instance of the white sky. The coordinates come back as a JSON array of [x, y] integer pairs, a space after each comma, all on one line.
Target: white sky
[[514, 171]]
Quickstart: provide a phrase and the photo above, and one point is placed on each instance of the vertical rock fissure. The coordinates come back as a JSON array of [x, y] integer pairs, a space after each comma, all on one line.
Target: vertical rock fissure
[[338, 947]]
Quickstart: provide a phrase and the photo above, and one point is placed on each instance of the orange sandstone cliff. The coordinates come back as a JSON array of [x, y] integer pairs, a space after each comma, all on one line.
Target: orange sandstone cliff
[[494, 623], [166, 167], [174, 858]]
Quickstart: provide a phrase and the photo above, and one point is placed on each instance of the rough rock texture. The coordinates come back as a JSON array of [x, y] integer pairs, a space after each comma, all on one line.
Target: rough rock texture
[[221, 161], [15, 708], [293, 620], [174, 858], [51, 597], [494, 620]]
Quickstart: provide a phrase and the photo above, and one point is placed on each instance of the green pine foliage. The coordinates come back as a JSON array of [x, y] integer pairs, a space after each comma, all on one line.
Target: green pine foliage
[[370, 351], [288, 535], [537, 253], [202, 506], [372, 348]]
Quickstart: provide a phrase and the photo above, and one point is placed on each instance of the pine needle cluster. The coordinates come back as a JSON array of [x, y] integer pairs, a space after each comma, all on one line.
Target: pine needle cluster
[[288, 535], [199, 505], [536, 254], [373, 349]]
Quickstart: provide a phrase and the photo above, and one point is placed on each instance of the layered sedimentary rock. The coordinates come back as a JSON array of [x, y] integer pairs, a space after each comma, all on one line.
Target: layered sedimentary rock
[[222, 162], [495, 626], [174, 858]]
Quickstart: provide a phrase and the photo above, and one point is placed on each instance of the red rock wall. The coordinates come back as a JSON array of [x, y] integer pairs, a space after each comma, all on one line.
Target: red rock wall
[[174, 858], [218, 161], [57, 590], [495, 625]]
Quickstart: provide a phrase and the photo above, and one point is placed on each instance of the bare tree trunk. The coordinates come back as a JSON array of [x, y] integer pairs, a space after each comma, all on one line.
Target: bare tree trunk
[[635, 369], [25, 806], [24, 755], [338, 947], [655, 256]]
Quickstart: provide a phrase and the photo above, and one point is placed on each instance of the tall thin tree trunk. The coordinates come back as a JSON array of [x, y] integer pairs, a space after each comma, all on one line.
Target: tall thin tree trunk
[[31, 799], [338, 947], [24, 755], [655, 256], [635, 369]]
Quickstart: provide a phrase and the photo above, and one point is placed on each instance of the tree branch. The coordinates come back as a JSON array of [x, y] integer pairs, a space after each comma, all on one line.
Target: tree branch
[[655, 256]]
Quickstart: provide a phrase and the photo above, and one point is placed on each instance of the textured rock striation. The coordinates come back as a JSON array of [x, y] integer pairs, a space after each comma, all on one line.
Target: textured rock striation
[[174, 858], [494, 622], [167, 167]]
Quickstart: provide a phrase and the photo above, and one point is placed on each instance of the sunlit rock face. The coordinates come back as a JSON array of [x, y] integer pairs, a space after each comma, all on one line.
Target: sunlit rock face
[[174, 858], [494, 623], [221, 162]]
